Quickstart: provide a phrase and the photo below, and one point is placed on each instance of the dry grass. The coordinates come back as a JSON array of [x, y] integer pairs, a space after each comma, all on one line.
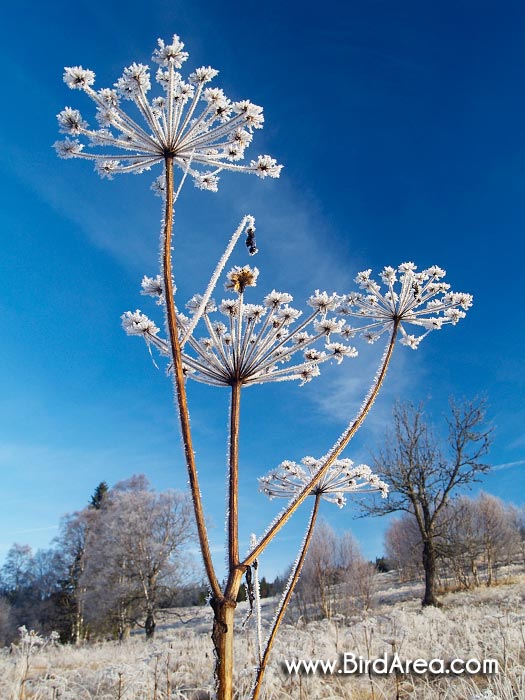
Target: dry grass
[[483, 623]]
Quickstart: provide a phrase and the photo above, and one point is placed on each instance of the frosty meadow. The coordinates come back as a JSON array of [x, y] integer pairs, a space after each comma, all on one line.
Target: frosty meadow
[[192, 130]]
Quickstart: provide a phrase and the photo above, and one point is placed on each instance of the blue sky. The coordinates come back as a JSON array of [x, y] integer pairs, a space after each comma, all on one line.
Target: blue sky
[[400, 126]]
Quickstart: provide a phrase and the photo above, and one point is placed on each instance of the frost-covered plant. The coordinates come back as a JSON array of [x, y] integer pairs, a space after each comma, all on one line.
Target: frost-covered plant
[[199, 130], [29, 644], [342, 477]]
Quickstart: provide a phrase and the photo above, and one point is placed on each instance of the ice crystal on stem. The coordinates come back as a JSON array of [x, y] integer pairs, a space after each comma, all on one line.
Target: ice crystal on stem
[[342, 477], [422, 300], [202, 130]]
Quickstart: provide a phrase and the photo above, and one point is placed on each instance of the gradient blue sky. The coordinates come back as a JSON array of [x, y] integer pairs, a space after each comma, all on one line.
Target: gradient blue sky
[[401, 127]]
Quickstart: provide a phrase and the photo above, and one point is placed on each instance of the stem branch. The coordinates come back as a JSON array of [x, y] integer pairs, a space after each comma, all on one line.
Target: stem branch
[[292, 582], [233, 480], [332, 455], [180, 388]]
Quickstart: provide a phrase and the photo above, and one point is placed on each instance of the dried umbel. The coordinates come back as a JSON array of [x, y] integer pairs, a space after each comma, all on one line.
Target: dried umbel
[[421, 299], [196, 125], [259, 343], [251, 343], [342, 477]]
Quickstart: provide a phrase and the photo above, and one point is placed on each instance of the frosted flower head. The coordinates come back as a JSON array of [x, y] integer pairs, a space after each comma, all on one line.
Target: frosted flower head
[[137, 323], [153, 287], [77, 78], [323, 301], [265, 166], [327, 326], [204, 74], [290, 478], [253, 115], [135, 81], [252, 343], [275, 299], [241, 277], [172, 53], [407, 297], [206, 181], [68, 148], [194, 304], [70, 121], [158, 186], [229, 307], [254, 312], [29, 641], [107, 168], [287, 315], [340, 351], [196, 126]]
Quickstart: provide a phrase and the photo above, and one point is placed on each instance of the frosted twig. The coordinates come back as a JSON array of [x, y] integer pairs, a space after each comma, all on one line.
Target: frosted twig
[[248, 222]]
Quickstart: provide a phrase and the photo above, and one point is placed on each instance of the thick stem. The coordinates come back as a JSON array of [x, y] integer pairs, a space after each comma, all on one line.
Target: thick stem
[[179, 381], [335, 451], [233, 481], [222, 634], [294, 577], [222, 637]]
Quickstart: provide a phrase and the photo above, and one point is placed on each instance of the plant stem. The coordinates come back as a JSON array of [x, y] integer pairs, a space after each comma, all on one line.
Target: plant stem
[[180, 388], [334, 452], [224, 606], [222, 638], [292, 582], [233, 480]]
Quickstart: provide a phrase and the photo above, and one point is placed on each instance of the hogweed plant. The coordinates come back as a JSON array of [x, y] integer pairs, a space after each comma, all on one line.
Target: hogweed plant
[[239, 341]]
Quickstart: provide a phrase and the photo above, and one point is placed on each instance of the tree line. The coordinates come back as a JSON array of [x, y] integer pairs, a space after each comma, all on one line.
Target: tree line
[[474, 539], [112, 566], [124, 557]]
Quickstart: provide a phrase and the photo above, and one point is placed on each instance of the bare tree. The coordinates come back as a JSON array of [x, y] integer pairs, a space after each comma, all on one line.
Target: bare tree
[[5, 622], [354, 574], [71, 544], [460, 544], [497, 534], [134, 553], [17, 571], [403, 547], [519, 523], [423, 476], [336, 578], [315, 588]]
